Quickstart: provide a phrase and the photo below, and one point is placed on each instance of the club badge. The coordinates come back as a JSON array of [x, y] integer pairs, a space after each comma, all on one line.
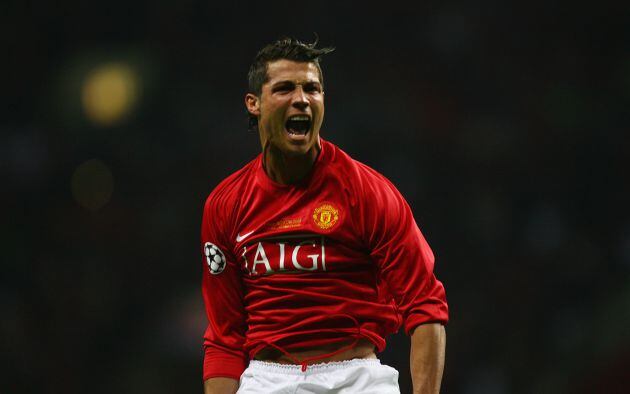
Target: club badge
[[325, 216]]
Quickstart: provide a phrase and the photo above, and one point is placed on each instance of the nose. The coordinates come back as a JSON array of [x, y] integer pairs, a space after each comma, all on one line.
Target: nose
[[299, 99]]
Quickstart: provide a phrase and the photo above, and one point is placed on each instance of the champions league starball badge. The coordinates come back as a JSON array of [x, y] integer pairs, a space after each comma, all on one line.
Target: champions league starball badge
[[215, 258]]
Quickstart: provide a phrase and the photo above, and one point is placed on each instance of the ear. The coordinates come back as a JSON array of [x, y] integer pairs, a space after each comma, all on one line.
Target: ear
[[252, 102]]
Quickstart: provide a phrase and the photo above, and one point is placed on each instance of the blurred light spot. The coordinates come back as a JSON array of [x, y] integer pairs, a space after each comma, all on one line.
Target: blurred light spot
[[92, 184], [109, 93], [182, 322]]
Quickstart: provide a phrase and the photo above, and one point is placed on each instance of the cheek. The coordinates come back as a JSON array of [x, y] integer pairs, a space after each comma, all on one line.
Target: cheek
[[320, 112], [273, 121], [320, 105], [275, 113]]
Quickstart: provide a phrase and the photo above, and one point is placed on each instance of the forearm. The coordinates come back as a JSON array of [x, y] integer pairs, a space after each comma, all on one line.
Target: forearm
[[428, 342], [220, 386]]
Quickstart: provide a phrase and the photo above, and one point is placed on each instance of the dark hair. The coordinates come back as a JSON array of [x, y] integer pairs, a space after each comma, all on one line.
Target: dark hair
[[284, 48]]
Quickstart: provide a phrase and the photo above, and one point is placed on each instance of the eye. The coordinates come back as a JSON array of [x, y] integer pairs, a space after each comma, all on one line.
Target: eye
[[313, 87], [283, 88]]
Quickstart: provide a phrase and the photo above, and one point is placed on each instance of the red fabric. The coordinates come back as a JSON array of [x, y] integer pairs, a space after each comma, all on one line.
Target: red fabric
[[224, 363], [306, 262]]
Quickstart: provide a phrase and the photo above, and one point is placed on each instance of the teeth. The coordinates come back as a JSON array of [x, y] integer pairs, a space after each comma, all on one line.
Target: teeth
[[299, 117]]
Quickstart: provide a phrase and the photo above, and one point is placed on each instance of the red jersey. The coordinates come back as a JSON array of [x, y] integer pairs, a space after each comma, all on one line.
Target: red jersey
[[336, 256]]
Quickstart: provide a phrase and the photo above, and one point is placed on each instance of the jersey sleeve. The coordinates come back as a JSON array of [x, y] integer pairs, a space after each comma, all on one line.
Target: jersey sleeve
[[403, 256], [222, 291]]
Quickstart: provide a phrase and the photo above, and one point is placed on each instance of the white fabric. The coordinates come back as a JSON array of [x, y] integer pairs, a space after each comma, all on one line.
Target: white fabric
[[365, 376]]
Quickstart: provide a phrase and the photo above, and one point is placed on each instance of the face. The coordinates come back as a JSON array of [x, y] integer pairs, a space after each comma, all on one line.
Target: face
[[290, 109]]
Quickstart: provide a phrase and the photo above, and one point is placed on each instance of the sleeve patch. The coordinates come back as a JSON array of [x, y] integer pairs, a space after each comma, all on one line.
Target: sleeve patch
[[215, 258]]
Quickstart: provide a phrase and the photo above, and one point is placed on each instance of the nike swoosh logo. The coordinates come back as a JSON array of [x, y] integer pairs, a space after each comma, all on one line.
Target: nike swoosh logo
[[241, 238]]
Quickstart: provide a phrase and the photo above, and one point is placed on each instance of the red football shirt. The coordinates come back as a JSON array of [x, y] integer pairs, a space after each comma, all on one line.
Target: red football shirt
[[333, 257]]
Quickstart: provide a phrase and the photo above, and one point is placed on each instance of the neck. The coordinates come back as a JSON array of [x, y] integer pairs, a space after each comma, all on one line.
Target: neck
[[288, 170]]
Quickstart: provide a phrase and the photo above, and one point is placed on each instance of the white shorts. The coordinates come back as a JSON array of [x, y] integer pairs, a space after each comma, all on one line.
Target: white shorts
[[365, 376]]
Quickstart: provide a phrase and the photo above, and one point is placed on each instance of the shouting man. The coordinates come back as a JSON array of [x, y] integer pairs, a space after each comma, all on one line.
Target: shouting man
[[312, 258]]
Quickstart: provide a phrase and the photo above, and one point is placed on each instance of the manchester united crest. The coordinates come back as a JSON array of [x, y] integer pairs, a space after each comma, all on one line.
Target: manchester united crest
[[325, 216]]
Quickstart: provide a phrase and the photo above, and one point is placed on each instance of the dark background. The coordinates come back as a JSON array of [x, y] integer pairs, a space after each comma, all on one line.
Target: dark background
[[503, 124]]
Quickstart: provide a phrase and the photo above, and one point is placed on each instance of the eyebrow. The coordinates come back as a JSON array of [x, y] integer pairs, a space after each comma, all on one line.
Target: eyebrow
[[288, 81]]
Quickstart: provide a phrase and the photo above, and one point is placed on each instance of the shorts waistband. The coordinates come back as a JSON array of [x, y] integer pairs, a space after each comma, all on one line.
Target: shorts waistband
[[292, 369]]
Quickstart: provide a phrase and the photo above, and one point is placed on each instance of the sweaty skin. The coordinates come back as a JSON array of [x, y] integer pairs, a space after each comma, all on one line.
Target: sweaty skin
[[292, 89], [220, 386], [428, 343]]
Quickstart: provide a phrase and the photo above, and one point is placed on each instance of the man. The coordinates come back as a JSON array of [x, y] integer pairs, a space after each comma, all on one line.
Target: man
[[311, 258]]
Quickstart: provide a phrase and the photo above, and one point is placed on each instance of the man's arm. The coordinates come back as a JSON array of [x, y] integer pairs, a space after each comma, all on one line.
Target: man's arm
[[220, 386], [428, 342], [224, 356]]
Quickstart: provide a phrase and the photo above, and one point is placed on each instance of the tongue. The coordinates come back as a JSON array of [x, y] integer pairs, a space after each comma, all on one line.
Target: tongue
[[298, 127], [297, 132]]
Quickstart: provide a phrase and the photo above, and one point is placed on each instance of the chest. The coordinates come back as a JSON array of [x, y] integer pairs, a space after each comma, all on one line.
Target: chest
[[300, 231]]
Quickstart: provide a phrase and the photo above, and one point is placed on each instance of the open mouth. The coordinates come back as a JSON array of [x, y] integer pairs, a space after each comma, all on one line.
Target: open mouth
[[298, 125]]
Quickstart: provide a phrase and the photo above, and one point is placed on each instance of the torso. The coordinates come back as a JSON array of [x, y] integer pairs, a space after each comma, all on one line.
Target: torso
[[304, 258], [363, 349]]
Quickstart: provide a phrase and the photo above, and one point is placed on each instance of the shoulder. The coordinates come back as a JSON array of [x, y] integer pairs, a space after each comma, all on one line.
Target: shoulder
[[358, 174], [224, 197]]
